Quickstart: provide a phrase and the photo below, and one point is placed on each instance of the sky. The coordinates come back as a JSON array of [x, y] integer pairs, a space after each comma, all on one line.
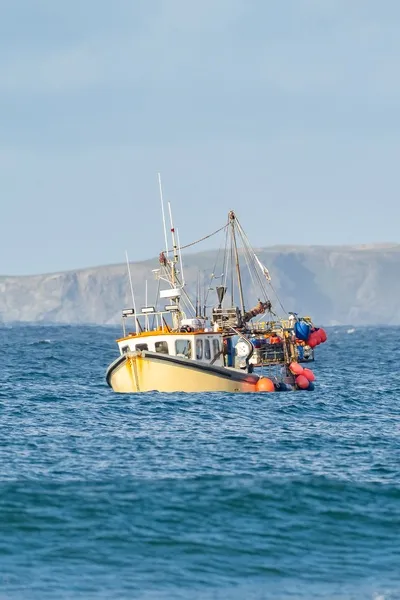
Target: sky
[[286, 112]]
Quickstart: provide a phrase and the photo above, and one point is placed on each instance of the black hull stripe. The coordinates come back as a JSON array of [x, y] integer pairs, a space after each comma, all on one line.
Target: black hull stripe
[[188, 364], [118, 361]]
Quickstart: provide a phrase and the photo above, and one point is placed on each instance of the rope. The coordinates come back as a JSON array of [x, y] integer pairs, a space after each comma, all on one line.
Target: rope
[[212, 277], [277, 297], [245, 239], [200, 240]]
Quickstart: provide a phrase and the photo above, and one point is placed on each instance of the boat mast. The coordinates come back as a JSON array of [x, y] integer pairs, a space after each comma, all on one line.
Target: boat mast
[[132, 292], [176, 316], [146, 304], [163, 214], [198, 303], [174, 246], [170, 263], [180, 259], [232, 276], [232, 223]]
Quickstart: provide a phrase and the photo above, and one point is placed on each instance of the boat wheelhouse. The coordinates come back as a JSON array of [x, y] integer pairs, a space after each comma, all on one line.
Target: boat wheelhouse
[[193, 341]]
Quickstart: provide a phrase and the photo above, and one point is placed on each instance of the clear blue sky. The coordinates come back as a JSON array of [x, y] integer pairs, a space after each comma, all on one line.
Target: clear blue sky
[[286, 111]]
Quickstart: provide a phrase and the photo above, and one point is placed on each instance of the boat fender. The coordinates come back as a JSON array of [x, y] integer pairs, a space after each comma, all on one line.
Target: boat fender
[[308, 374], [264, 384], [280, 386], [302, 382]]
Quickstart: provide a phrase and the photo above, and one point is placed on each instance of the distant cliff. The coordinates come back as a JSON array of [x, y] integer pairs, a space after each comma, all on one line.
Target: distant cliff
[[335, 285]]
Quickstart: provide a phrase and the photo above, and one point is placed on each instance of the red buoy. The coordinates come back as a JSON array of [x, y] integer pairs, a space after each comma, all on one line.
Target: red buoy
[[308, 374], [264, 384], [295, 368], [314, 339], [302, 382]]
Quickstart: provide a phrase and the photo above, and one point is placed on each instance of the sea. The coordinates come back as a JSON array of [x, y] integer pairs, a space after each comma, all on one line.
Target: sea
[[281, 496]]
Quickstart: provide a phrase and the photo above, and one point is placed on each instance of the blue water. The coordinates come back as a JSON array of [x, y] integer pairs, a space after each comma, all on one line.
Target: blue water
[[210, 496]]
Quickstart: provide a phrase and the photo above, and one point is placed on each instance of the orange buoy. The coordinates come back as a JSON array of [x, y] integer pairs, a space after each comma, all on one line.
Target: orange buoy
[[264, 384], [302, 382], [295, 368], [308, 374]]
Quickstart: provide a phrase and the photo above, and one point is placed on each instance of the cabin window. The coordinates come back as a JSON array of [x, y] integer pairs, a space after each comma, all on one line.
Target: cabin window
[[207, 350], [216, 347], [183, 348], [125, 349], [199, 349], [161, 347], [141, 347]]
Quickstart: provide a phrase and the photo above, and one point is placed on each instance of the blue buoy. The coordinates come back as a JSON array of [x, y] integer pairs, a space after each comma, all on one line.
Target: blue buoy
[[302, 330]]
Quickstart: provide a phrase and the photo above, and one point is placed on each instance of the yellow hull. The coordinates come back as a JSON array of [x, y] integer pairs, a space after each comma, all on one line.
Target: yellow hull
[[147, 371]]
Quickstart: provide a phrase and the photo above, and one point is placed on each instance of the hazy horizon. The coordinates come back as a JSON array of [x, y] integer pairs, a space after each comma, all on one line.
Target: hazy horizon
[[286, 113], [281, 248]]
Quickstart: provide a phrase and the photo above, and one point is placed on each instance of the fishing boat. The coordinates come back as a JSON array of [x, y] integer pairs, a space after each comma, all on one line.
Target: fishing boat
[[179, 347]]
